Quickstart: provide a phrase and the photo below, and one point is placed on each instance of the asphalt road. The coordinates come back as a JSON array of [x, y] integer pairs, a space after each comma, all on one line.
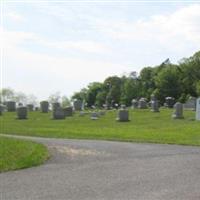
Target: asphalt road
[[102, 170]]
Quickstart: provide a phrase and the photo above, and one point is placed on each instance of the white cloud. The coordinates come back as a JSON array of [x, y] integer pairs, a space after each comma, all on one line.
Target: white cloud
[[16, 38], [181, 27]]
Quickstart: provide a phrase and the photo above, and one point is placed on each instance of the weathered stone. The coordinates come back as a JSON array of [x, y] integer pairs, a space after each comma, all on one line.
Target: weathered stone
[[134, 103], [30, 107], [154, 106], [191, 103], [123, 106], [58, 114], [44, 106], [22, 112], [178, 113], [142, 104], [68, 111], [2, 109], [123, 115], [11, 106], [169, 102], [78, 105], [198, 109]]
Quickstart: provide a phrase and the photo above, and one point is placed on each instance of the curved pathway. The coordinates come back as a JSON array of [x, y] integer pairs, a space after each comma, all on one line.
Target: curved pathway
[[102, 170]]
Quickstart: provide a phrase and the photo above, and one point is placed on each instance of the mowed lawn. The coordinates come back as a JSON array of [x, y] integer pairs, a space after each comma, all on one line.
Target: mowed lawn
[[144, 126], [17, 154]]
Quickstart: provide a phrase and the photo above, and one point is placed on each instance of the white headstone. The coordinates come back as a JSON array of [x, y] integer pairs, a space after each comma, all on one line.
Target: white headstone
[[198, 109]]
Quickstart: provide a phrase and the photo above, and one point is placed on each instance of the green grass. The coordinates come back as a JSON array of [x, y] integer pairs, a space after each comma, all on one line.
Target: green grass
[[17, 154], [144, 126]]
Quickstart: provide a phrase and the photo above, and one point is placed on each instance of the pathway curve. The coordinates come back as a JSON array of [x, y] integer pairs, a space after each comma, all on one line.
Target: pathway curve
[[103, 170]]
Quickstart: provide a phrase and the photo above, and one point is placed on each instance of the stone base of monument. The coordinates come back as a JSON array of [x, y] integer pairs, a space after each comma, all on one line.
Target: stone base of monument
[[174, 116], [58, 114], [22, 112], [123, 116]]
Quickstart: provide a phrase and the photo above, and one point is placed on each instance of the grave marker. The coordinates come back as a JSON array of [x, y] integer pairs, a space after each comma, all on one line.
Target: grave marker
[[198, 109]]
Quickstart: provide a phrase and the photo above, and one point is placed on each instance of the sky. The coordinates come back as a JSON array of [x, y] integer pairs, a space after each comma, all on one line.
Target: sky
[[49, 46]]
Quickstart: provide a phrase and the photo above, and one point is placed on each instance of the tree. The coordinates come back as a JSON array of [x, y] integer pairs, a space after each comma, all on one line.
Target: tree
[[7, 94], [65, 101], [168, 83], [55, 97], [93, 89]]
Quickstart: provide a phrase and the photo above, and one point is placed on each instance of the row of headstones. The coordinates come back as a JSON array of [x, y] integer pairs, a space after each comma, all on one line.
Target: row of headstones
[[143, 104], [10, 106], [123, 114], [169, 103]]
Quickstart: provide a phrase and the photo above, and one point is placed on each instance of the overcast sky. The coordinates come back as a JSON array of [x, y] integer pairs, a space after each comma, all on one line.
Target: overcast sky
[[51, 46]]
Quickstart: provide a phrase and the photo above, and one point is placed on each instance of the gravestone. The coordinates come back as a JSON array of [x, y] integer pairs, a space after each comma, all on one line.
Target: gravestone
[[37, 108], [30, 107], [44, 106], [178, 113], [78, 105], [155, 106], [58, 113], [68, 111], [198, 109], [142, 103], [191, 103], [55, 106], [169, 102], [123, 115], [11, 106], [2, 108], [134, 103], [22, 112], [94, 116]]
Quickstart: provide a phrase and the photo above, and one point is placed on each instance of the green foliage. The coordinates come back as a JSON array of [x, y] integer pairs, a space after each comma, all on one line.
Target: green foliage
[[178, 81]]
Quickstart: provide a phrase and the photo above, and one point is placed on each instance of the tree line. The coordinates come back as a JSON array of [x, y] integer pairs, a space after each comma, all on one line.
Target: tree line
[[180, 81]]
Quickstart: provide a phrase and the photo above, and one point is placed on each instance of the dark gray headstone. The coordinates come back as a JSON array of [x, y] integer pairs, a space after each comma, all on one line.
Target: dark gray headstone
[[142, 104], [68, 111], [58, 114], [134, 103], [169, 102], [11, 106], [2, 108], [123, 115], [44, 106], [178, 112], [22, 112], [30, 107], [78, 105], [154, 106]]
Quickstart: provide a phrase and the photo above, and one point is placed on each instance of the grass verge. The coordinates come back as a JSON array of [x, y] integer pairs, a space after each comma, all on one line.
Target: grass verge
[[18, 154]]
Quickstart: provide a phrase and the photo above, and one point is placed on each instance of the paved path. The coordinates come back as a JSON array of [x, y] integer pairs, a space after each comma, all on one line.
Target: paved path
[[100, 170]]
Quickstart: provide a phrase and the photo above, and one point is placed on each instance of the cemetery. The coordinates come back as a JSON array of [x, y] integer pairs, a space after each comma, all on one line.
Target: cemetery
[[152, 124]]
